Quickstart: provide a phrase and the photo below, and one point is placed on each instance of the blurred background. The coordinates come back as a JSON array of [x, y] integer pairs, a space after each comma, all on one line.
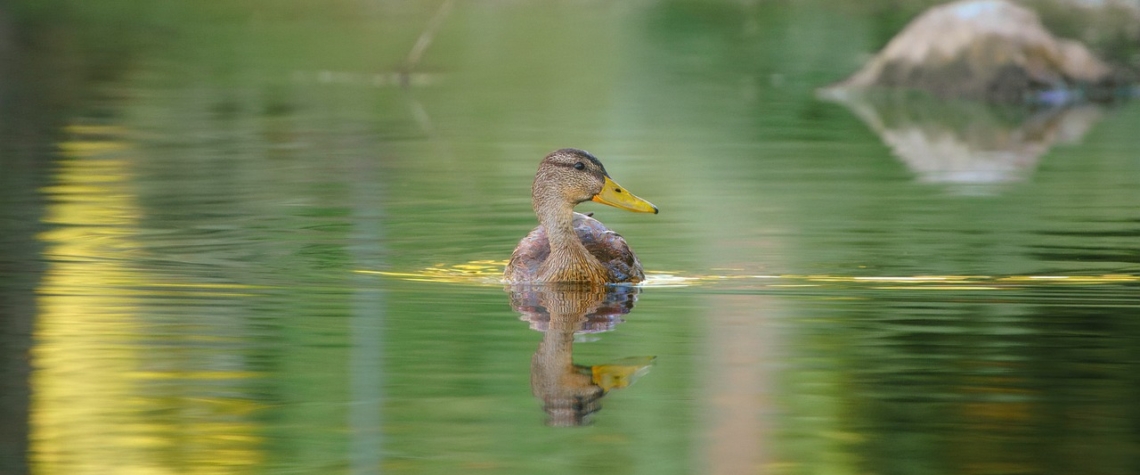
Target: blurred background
[[262, 237]]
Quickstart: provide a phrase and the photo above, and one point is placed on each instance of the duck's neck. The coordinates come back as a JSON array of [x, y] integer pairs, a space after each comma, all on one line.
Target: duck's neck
[[569, 261], [559, 224]]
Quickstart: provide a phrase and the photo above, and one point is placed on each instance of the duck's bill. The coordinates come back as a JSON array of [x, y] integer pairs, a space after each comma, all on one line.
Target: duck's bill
[[614, 195]]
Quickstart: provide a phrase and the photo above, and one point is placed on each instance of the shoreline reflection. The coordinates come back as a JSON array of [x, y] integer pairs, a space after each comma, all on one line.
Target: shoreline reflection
[[571, 393]]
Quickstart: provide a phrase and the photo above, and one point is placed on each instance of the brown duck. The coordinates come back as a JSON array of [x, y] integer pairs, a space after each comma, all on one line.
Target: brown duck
[[573, 247]]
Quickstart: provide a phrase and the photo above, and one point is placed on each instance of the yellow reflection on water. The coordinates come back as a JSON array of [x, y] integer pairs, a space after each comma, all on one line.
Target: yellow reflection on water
[[100, 404], [485, 272], [490, 272]]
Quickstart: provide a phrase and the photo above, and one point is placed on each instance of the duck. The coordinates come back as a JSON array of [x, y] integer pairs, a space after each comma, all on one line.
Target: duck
[[571, 247]]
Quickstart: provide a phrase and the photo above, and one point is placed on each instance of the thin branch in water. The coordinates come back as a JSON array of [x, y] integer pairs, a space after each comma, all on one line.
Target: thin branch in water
[[427, 36]]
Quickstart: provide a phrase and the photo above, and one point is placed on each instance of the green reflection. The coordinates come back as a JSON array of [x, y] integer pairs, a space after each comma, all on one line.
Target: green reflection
[[204, 309], [968, 384]]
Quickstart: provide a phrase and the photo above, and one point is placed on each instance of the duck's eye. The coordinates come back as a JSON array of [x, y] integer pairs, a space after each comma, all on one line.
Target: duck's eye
[[579, 166]]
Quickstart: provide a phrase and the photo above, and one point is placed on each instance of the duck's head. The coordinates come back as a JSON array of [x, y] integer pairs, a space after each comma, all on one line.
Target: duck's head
[[570, 176]]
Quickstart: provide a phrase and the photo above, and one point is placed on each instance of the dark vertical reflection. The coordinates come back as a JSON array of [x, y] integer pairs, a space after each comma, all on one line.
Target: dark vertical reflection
[[25, 157], [46, 68]]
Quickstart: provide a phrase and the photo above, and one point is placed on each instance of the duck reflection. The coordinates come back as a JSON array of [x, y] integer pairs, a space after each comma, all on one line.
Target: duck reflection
[[571, 392], [964, 144]]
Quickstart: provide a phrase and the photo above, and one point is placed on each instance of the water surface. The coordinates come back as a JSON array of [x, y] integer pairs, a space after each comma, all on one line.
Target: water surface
[[241, 239]]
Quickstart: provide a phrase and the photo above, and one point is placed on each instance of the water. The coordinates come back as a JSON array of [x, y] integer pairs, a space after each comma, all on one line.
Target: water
[[234, 243]]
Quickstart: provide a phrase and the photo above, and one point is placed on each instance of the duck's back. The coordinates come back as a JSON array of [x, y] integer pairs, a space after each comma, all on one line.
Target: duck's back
[[607, 246]]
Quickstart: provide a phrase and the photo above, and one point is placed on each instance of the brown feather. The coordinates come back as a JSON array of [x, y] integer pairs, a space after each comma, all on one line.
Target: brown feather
[[608, 248], [569, 246]]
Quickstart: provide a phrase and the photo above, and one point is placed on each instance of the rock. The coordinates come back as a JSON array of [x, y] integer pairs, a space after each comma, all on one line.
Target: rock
[[990, 50]]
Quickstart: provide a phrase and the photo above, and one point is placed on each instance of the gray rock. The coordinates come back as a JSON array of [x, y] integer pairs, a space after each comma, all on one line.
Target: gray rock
[[990, 50]]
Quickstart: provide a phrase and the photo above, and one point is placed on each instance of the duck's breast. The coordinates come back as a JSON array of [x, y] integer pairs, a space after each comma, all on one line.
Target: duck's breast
[[608, 247]]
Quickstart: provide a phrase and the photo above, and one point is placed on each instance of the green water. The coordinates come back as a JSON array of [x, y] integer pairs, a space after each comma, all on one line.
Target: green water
[[233, 239]]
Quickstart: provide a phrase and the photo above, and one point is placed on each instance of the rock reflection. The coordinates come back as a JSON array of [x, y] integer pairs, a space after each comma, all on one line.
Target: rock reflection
[[570, 392], [966, 144]]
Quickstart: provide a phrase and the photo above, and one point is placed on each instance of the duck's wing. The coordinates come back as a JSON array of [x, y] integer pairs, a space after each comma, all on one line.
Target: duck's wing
[[609, 248], [606, 246], [531, 252]]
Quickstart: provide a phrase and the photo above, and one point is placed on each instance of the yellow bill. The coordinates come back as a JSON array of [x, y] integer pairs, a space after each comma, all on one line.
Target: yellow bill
[[621, 374], [614, 195]]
